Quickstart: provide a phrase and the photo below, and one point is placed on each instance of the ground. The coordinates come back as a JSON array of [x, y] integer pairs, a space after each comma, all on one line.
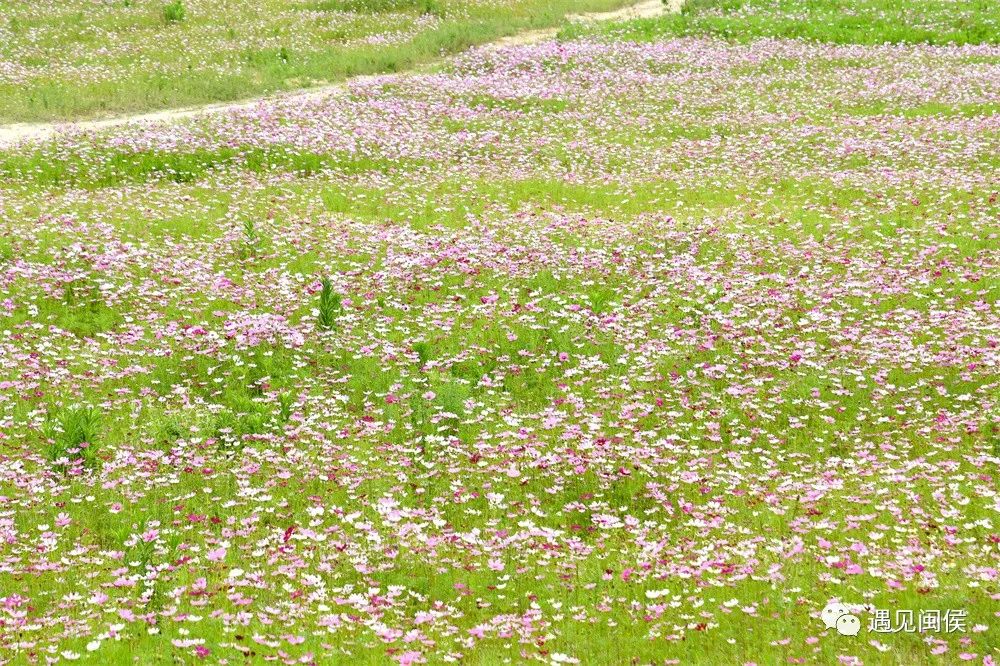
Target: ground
[[642, 345]]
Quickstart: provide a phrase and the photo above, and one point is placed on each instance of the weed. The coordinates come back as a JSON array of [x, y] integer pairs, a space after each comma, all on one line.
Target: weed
[[72, 434], [286, 401], [251, 239], [329, 305], [423, 351], [174, 12]]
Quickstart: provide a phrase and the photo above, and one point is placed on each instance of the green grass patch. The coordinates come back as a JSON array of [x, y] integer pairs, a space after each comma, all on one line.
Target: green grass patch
[[835, 21]]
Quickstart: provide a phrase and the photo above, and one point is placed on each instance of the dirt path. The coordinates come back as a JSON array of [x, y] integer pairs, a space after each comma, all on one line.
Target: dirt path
[[21, 132], [645, 9]]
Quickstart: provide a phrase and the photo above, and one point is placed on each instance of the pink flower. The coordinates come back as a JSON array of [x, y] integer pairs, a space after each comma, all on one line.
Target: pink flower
[[216, 555]]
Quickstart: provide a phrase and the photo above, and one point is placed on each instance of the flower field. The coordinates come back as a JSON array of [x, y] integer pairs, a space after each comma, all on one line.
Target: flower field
[[625, 348], [63, 59]]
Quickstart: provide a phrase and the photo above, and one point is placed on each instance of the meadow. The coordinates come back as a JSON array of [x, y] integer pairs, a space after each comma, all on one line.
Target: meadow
[[67, 59], [639, 346]]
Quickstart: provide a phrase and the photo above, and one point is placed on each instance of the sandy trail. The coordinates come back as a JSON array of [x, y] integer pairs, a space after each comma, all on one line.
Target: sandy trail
[[645, 9], [24, 132]]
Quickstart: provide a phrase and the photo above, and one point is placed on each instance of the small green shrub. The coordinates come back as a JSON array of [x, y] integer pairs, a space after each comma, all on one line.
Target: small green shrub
[[329, 305], [174, 12], [251, 238], [286, 402], [72, 433], [423, 351]]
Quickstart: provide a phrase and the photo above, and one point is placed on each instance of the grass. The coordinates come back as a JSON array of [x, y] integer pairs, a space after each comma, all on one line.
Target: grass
[[182, 166], [217, 50], [833, 21]]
